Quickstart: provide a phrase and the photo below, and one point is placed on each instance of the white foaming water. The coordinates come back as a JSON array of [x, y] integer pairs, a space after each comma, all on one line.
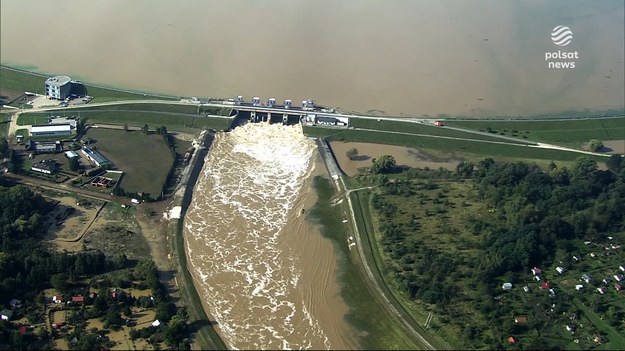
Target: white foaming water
[[250, 182]]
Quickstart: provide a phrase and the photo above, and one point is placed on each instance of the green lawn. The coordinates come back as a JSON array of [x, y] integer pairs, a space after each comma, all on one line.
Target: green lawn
[[417, 128], [563, 132], [145, 159]]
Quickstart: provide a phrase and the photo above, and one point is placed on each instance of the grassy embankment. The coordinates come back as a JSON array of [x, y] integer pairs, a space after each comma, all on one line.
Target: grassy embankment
[[570, 133], [174, 117], [426, 129], [379, 330], [412, 312], [21, 81], [449, 147]]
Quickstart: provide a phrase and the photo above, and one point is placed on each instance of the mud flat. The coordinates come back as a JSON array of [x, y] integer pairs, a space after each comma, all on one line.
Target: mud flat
[[404, 156]]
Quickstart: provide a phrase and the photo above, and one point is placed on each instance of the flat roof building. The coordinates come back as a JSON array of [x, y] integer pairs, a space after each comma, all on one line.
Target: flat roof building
[[95, 156], [41, 147], [51, 129], [58, 87]]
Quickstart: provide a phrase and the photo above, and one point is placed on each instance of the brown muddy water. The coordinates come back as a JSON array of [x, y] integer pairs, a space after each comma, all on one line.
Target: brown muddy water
[[471, 58], [266, 275]]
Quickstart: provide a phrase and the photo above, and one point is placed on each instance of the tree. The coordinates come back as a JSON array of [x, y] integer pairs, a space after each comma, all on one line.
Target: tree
[[465, 168], [145, 129], [351, 153], [383, 164], [614, 163], [596, 145], [59, 282], [74, 164]]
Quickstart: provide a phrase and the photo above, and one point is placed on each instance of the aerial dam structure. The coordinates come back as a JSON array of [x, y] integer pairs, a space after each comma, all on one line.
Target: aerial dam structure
[[271, 112]]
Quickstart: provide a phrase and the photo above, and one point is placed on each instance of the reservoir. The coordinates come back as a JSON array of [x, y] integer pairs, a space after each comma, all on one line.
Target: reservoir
[[404, 58]]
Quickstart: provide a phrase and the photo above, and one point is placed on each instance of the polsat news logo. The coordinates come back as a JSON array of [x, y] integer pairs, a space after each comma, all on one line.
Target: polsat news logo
[[561, 36]]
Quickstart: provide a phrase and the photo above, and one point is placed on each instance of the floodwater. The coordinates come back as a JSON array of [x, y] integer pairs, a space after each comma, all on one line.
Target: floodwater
[[397, 57], [265, 274]]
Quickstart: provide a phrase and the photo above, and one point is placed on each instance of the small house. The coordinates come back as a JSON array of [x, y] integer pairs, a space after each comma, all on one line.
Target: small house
[[560, 270], [570, 328], [602, 290], [536, 271], [619, 277], [593, 255], [6, 314], [526, 288], [552, 292], [545, 285], [520, 319], [607, 280], [156, 323], [15, 303], [579, 287], [622, 268], [57, 299], [586, 278], [537, 278], [512, 339], [506, 286], [78, 299], [618, 287], [575, 258]]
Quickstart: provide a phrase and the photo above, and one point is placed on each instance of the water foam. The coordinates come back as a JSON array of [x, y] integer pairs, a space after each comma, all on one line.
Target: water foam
[[247, 189]]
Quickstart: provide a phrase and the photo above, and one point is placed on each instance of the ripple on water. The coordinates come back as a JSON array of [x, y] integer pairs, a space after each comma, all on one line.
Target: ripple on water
[[249, 183]]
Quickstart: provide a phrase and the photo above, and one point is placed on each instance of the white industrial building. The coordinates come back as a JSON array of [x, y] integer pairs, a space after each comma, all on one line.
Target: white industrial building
[[51, 129], [58, 87]]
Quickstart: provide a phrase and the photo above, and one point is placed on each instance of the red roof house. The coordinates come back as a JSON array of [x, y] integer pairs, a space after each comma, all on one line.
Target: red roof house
[[545, 285]]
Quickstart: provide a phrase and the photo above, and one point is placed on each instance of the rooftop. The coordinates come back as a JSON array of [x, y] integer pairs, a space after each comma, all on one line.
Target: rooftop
[[58, 80]]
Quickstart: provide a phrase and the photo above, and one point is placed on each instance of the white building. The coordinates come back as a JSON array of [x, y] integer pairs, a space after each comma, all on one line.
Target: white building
[[58, 87], [51, 129]]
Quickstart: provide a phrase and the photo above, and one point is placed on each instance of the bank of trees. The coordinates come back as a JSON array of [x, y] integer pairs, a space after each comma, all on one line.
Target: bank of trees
[[28, 266], [535, 218]]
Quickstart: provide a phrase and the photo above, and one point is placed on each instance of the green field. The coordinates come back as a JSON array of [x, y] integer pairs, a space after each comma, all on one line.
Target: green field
[[570, 133], [145, 159], [417, 128], [477, 148], [20, 81]]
